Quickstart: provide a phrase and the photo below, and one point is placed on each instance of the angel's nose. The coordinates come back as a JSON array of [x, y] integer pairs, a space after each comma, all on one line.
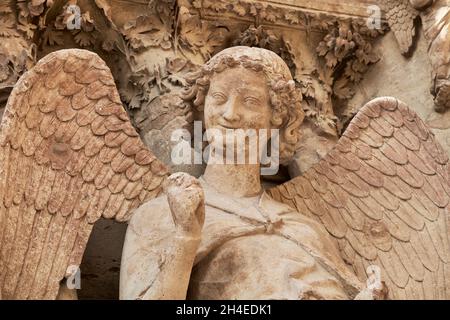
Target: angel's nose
[[231, 112]]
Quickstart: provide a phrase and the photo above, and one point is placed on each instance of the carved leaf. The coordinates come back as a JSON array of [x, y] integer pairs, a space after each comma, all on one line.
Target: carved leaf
[[84, 39], [148, 31]]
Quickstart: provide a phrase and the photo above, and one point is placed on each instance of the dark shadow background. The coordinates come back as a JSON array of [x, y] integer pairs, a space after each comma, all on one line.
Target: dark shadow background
[[100, 268]]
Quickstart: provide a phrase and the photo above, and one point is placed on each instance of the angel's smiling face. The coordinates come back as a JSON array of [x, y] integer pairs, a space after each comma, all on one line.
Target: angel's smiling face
[[238, 98], [237, 107], [248, 88]]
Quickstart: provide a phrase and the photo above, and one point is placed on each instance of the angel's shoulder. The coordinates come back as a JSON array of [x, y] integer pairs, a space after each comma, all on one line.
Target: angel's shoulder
[[152, 215]]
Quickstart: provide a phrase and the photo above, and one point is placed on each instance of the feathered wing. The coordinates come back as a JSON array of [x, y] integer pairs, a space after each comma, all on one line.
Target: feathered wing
[[383, 194], [69, 155], [400, 16]]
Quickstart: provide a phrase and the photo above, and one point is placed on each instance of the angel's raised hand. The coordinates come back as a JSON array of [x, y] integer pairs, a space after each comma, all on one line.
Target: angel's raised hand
[[187, 205]]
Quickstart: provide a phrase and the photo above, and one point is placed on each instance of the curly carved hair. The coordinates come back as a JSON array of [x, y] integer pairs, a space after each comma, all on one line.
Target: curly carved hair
[[287, 112]]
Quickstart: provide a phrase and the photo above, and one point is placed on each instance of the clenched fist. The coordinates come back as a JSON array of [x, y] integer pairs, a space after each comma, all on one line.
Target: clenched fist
[[186, 202]]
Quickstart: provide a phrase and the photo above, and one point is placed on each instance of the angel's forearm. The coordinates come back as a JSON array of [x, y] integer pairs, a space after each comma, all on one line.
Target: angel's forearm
[[172, 281]]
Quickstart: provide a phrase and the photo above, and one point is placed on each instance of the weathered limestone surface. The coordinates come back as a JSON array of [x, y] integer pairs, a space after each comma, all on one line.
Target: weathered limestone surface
[[69, 155], [152, 46], [407, 79], [320, 235]]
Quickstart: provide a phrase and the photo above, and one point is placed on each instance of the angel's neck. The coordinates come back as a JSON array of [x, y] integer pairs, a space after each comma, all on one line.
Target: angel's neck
[[239, 180]]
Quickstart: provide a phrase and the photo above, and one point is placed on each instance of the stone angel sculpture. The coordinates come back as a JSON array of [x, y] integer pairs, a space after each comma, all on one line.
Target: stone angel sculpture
[[68, 156], [378, 201], [435, 16]]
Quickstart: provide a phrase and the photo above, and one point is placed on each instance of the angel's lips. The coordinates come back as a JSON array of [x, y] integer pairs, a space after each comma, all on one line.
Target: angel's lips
[[232, 139], [225, 127]]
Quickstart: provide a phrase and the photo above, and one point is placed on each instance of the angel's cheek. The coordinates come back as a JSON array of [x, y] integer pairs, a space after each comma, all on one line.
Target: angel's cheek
[[211, 115], [257, 121], [209, 121]]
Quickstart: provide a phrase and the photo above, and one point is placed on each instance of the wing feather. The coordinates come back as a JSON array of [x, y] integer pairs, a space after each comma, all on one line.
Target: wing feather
[[440, 283], [69, 155], [400, 16], [348, 254], [424, 256], [18, 253], [32, 259], [54, 235], [12, 171], [62, 258], [11, 221], [391, 208], [56, 199], [409, 259]]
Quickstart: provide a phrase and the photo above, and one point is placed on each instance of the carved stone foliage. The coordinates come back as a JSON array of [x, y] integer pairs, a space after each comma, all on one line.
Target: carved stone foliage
[[347, 55], [152, 45], [17, 53], [170, 30], [270, 12], [31, 29]]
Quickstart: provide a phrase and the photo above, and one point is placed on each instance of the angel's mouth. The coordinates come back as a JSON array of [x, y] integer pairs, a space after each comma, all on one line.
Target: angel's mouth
[[224, 126]]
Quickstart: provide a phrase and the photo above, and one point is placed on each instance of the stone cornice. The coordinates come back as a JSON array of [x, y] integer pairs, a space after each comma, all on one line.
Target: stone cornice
[[296, 14]]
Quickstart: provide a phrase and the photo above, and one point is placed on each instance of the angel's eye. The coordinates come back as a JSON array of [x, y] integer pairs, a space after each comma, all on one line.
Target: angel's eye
[[219, 97], [252, 101]]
